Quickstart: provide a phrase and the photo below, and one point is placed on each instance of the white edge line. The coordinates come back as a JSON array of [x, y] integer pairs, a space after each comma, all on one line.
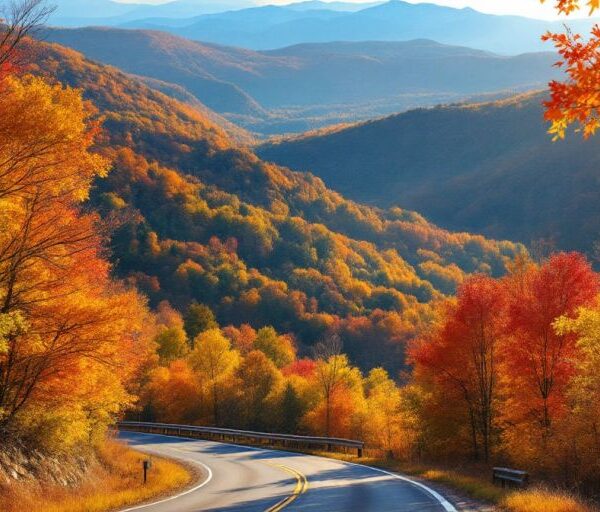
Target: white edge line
[[193, 489], [448, 507], [443, 501]]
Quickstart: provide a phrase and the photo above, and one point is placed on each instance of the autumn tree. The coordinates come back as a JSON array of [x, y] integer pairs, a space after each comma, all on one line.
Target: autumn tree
[[261, 382], [383, 409], [168, 317], [242, 338], [460, 356], [279, 349], [18, 18], [198, 318], [581, 428], [575, 100], [66, 325], [332, 374], [174, 393], [539, 361], [215, 361]]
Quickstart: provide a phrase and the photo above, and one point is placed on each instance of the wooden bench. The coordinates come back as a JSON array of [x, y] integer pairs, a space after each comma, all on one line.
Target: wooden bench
[[510, 477]]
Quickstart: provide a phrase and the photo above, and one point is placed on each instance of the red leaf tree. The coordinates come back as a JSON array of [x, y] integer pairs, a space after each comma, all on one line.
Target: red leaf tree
[[460, 355]]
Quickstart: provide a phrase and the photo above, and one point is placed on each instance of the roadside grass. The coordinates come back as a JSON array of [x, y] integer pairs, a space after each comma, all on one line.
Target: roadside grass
[[541, 500], [115, 481], [534, 499]]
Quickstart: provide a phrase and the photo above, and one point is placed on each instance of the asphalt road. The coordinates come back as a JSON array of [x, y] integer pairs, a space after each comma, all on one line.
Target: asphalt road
[[239, 478]]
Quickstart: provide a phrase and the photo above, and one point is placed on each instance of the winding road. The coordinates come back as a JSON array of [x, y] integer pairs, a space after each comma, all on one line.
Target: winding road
[[245, 479]]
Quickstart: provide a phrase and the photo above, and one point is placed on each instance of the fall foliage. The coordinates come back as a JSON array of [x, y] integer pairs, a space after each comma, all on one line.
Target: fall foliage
[[576, 100], [513, 355], [199, 220], [71, 339]]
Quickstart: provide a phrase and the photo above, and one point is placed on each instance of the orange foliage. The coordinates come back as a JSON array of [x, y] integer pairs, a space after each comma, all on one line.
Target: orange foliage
[[576, 100], [507, 370], [174, 393], [302, 367], [242, 338], [255, 242], [333, 417], [70, 338]]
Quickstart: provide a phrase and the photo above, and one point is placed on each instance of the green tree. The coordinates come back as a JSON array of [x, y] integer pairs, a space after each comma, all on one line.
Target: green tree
[[198, 318], [292, 410], [278, 349], [172, 344]]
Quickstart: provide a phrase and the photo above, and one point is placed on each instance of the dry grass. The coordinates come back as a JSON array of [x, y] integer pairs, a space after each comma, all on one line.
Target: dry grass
[[114, 482], [474, 487], [528, 500], [540, 500]]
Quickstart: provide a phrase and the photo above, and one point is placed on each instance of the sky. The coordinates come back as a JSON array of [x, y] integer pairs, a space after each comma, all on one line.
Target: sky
[[530, 8]]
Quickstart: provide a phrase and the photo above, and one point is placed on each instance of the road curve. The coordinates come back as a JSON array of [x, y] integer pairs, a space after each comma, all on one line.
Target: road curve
[[244, 479]]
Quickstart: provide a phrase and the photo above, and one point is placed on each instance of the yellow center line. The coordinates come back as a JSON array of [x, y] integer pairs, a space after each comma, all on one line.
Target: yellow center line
[[301, 487]]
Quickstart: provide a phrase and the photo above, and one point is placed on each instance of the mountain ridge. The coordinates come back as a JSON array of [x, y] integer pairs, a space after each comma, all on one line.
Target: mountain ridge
[[311, 85], [395, 20], [476, 167]]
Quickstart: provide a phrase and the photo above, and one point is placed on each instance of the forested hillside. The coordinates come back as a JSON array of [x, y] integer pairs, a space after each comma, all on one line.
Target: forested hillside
[[488, 168], [307, 86], [201, 220]]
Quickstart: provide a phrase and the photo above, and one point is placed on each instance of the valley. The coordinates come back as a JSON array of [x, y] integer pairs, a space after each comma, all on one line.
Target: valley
[[310, 86], [489, 168]]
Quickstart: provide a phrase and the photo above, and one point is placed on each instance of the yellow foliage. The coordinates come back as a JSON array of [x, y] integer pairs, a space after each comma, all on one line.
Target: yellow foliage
[[539, 500], [70, 338]]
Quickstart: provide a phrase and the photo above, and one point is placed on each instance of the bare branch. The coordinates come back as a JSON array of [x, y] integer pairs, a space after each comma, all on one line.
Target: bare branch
[[18, 19]]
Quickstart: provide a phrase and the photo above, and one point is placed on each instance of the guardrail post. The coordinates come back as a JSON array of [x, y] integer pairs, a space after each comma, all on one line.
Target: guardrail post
[[360, 451]]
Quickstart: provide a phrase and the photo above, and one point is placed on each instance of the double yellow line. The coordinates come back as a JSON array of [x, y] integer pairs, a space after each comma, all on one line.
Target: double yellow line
[[301, 487]]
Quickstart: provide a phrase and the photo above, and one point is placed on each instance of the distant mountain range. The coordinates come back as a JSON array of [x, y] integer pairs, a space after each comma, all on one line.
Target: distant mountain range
[[489, 168], [107, 12], [270, 27], [308, 86], [74, 13]]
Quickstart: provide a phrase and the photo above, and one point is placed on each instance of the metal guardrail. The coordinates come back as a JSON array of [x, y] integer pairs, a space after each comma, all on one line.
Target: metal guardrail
[[228, 434], [509, 476]]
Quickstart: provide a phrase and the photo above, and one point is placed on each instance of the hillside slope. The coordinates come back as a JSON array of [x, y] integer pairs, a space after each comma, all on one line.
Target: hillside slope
[[202, 220], [310, 85], [489, 168]]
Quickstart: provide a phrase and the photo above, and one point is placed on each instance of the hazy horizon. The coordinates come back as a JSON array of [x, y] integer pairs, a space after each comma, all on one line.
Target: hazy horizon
[[529, 8]]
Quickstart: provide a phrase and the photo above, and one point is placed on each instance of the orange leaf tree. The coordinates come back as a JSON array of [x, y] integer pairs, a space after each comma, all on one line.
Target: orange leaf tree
[[577, 99], [69, 336]]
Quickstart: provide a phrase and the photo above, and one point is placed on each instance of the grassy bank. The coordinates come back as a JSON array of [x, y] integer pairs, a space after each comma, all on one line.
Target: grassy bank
[[534, 499], [114, 481], [528, 500]]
